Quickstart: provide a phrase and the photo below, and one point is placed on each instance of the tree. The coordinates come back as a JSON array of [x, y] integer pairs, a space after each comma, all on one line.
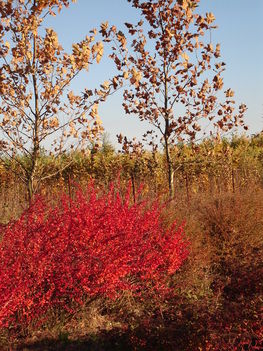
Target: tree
[[38, 111], [174, 74]]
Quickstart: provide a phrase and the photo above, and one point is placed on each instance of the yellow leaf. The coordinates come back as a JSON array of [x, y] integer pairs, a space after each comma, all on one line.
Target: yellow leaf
[[183, 3], [210, 17], [121, 38], [98, 49], [171, 34], [93, 31], [105, 85], [185, 57], [125, 75], [104, 26], [217, 52], [94, 111], [136, 76], [229, 93]]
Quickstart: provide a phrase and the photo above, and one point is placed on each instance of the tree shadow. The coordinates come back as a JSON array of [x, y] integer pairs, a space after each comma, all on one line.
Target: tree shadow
[[117, 339]]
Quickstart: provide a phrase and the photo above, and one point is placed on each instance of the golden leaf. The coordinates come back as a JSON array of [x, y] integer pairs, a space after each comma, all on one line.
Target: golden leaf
[[125, 75], [94, 111], [171, 34], [93, 31], [229, 93], [121, 38], [71, 97], [98, 49], [185, 57], [210, 17], [105, 85], [183, 3], [136, 76], [104, 25], [217, 52]]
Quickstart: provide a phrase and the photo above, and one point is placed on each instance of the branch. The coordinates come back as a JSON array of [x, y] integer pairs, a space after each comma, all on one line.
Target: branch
[[58, 171], [58, 93], [14, 141]]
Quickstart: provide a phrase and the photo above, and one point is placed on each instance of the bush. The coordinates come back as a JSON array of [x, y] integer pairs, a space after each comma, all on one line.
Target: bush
[[92, 246]]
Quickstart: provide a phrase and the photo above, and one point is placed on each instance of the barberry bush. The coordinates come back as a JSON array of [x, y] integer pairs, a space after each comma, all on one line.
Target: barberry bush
[[95, 245]]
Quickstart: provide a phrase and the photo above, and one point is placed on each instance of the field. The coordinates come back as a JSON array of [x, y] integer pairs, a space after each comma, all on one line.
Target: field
[[154, 244], [208, 297]]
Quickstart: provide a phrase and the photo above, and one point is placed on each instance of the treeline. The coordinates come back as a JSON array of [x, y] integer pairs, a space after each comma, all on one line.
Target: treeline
[[213, 166]]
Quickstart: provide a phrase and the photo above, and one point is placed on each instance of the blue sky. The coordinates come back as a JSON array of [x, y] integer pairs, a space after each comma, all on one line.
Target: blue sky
[[240, 33]]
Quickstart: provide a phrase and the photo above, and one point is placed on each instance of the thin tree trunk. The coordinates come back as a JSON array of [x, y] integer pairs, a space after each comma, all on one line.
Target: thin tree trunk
[[133, 187], [187, 187], [36, 145], [170, 169], [166, 136]]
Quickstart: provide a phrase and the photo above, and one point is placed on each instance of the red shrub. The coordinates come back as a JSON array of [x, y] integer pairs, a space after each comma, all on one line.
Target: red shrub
[[53, 257]]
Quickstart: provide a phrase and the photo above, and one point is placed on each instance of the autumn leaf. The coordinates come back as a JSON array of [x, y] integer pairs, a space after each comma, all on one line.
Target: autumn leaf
[[103, 28], [125, 75], [217, 51], [97, 50], [93, 31], [128, 25], [169, 32], [229, 93], [210, 18], [218, 82], [94, 111], [136, 76], [54, 123], [121, 38], [185, 57], [7, 44], [71, 97], [183, 3], [106, 85]]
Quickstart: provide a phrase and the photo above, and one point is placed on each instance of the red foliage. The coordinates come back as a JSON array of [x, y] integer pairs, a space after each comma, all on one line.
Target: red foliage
[[54, 257]]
